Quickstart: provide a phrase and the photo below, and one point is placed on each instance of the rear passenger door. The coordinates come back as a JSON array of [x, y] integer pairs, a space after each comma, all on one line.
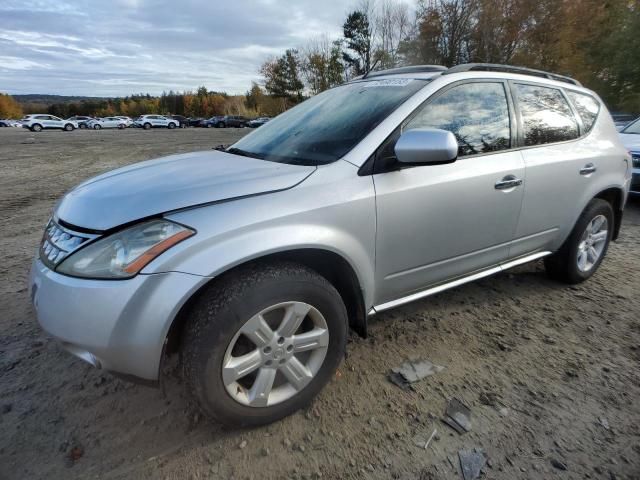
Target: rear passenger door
[[554, 162], [439, 222]]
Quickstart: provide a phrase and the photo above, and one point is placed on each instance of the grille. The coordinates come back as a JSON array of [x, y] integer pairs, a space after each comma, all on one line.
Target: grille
[[635, 159], [58, 242]]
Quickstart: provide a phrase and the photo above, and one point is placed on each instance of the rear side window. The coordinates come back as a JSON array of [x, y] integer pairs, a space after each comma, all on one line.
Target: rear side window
[[476, 113], [546, 115], [587, 107]]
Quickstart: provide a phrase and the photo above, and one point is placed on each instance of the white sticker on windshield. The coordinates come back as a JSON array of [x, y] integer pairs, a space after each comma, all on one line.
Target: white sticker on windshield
[[389, 82]]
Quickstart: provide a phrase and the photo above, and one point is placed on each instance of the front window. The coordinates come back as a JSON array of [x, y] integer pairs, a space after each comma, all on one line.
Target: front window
[[326, 127], [632, 128], [476, 113]]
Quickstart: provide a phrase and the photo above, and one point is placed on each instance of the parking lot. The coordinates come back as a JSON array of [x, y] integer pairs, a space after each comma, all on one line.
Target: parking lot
[[551, 373]]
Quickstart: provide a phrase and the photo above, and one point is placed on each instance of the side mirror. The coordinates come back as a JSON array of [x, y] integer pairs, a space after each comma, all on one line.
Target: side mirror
[[426, 146]]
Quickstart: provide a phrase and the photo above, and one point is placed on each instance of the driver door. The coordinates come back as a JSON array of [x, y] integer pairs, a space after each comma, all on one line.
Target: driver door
[[440, 222]]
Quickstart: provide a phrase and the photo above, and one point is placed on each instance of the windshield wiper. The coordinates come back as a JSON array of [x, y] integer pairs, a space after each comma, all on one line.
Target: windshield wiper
[[243, 153]]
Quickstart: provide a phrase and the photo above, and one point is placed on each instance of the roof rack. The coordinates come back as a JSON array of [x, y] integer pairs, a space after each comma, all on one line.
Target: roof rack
[[400, 70], [494, 67]]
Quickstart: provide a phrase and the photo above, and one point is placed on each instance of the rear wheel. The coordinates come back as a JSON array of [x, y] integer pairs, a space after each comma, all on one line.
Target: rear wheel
[[581, 254], [97, 126], [171, 125], [262, 343], [121, 126], [147, 126], [36, 127]]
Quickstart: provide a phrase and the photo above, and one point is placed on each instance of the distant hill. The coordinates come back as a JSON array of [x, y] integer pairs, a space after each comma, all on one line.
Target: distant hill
[[51, 99]]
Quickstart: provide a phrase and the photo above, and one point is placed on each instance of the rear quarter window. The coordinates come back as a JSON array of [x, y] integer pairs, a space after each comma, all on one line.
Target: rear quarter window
[[586, 106], [546, 115]]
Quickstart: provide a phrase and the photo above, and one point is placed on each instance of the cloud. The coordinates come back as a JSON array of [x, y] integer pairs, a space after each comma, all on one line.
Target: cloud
[[130, 46]]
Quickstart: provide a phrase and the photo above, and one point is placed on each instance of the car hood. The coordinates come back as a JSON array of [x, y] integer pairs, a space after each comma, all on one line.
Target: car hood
[[631, 141], [179, 181]]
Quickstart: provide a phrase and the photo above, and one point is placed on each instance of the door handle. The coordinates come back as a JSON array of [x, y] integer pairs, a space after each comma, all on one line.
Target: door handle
[[588, 169], [510, 181]]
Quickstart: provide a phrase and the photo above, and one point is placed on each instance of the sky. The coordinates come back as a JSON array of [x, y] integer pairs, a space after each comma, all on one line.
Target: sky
[[120, 47]]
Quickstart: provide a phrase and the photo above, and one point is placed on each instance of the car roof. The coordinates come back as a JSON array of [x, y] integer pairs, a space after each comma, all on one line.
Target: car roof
[[476, 70]]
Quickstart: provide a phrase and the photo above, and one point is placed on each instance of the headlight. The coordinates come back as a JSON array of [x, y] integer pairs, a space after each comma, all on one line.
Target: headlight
[[124, 254]]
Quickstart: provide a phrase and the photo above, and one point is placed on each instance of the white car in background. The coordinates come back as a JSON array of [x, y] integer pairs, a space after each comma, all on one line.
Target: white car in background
[[7, 122], [38, 122], [151, 121], [106, 122], [127, 120]]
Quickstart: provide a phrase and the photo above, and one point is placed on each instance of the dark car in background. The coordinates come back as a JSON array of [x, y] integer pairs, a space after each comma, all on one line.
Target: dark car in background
[[209, 122], [237, 121], [196, 121], [258, 122], [183, 121]]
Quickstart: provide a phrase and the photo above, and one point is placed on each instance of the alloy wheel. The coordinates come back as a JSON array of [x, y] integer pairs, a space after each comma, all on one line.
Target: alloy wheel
[[592, 243], [275, 354]]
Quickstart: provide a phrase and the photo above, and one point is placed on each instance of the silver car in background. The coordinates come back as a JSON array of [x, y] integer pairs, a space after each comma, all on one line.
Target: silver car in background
[[630, 137], [255, 261], [106, 122]]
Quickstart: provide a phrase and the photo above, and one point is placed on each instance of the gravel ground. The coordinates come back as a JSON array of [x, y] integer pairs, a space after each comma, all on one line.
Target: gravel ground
[[550, 373]]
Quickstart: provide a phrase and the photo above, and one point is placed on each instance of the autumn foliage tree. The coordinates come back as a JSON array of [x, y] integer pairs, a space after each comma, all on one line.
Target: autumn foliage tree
[[9, 108]]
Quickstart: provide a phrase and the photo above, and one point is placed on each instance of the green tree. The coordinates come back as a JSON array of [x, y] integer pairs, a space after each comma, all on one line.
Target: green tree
[[282, 77], [358, 34]]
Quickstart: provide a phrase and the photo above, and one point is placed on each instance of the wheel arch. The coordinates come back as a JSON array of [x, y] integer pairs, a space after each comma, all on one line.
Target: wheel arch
[[334, 267], [615, 197]]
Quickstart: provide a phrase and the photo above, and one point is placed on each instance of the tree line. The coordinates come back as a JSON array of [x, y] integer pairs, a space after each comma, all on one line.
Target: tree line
[[594, 41]]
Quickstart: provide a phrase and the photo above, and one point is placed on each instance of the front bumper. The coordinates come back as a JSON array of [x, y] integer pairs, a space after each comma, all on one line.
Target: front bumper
[[117, 325]]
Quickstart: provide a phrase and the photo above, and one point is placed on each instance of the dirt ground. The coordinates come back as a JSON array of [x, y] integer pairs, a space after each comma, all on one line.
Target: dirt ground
[[551, 373]]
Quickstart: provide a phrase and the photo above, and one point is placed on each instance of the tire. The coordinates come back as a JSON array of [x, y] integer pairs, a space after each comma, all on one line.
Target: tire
[[121, 126], [220, 125], [146, 126], [36, 127], [573, 262], [68, 127], [171, 126], [226, 307], [97, 126]]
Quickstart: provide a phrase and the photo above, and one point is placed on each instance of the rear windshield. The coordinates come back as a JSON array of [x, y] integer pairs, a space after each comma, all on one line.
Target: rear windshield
[[326, 127]]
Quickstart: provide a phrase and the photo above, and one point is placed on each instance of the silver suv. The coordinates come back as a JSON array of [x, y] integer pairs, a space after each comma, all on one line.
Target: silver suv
[[254, 262]]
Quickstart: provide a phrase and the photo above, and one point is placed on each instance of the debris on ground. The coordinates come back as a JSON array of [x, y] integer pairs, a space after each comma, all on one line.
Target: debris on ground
[[457, 416], [555, 463], [604, 422], [412, 372], [472, 462], [74, 455], [420, 442]]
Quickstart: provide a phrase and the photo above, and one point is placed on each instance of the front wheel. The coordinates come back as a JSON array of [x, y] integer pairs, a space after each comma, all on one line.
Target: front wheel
[[147, 126], [36, 127], [262, 343], [68, 127], [581, 254], [97, 126]]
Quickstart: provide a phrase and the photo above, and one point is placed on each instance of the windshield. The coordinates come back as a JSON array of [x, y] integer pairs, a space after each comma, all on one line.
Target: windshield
[[633, 127], [326, 127]]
